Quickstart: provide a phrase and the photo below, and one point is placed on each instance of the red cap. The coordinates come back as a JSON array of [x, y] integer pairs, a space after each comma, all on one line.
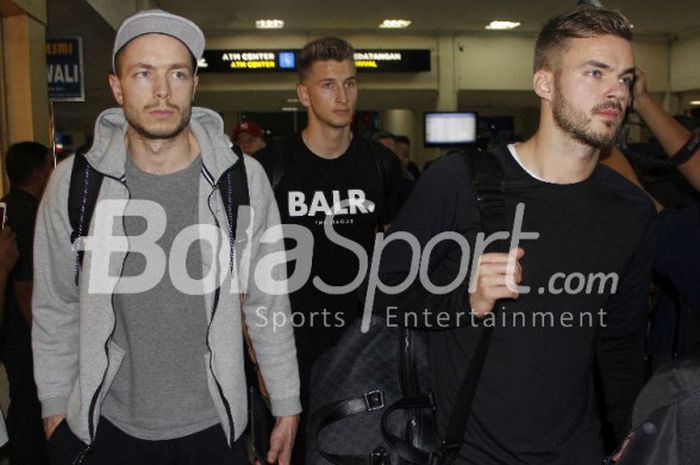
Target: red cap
[[249, 126]]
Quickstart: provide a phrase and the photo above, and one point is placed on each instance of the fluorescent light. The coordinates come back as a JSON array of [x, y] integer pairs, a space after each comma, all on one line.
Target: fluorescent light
[[292, 100], [502, 25], [395, 23], [269, 23], [695, 102], [290, 108]]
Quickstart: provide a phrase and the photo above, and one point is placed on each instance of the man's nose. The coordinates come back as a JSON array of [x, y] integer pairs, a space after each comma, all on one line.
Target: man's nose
[[162, 87]]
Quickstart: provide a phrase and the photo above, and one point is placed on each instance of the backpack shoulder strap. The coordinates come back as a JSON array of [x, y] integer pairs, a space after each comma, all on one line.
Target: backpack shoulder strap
[[488, 184], [283, 153], [489, 188], [233, 186], [85, 183]]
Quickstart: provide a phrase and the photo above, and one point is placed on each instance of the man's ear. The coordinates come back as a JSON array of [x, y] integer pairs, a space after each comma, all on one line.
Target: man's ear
[[303, 94], [116, 86], [543, 83]]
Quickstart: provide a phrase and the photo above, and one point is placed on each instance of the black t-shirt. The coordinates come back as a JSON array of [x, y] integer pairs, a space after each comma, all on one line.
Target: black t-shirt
[[309, 192], [21, 216], [535, 400]]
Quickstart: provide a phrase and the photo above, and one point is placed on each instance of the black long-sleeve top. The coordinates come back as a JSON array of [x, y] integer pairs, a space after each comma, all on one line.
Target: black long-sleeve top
[[535, 401]]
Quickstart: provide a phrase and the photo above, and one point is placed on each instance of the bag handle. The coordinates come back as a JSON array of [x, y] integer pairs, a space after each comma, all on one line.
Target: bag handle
[[339, 410]]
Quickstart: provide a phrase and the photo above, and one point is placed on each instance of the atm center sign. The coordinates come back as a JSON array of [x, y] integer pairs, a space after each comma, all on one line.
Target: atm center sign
[[257, 61], [225, 61], [64, 65]]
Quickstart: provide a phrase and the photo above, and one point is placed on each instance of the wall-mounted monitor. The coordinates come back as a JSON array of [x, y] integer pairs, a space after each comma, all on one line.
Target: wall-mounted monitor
[[442, 129]]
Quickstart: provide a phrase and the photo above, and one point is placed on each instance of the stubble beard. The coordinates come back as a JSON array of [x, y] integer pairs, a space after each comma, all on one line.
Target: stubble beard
[[577, 124], [161, 135]]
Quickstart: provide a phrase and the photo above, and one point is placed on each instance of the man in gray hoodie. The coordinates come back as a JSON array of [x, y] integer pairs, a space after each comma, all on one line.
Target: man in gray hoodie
[[141, 362]]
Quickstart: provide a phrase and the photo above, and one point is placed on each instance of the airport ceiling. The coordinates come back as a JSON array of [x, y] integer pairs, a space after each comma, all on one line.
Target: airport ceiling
[[668, 18], [650, 17]]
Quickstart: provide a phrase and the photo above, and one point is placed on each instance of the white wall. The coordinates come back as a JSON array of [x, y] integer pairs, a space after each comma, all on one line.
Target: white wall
[[685, 63]]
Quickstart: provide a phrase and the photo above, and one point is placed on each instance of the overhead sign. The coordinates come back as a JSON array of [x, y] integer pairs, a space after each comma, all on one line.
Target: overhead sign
[[261, 61], [393, 61], [241, 61], [64, 63]]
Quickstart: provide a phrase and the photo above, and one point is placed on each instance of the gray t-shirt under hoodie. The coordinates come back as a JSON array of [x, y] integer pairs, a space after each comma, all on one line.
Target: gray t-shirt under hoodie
[[160, 391]]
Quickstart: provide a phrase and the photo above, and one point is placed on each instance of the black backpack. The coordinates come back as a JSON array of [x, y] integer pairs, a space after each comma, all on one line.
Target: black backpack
[[370, 396], [666, 418]]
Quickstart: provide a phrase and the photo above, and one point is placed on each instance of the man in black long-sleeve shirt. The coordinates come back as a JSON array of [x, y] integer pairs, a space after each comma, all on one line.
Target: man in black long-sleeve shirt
[[587, 271]]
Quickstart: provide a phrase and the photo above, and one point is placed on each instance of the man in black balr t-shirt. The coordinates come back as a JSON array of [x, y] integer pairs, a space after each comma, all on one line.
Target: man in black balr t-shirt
[[330, 174], [573, 297]]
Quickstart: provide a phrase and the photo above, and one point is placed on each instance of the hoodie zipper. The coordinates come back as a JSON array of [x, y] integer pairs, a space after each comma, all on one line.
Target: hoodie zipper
[[93, 402], [215, 306]]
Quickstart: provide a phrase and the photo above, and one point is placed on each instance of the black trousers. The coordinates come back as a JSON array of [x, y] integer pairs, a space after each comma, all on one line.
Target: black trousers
[[25, 431], [114, 447]]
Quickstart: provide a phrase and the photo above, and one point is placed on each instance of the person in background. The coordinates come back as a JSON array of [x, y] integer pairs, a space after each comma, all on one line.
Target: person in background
[[677, 257], [8, 257], [248, 135], [403, 150], [328, 163], [387, 139], [29, 165]]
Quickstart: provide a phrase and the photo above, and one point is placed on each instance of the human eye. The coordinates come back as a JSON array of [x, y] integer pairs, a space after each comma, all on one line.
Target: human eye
[[180, 74], [142, 74], [627, 79], [594, 73], [350, 83]]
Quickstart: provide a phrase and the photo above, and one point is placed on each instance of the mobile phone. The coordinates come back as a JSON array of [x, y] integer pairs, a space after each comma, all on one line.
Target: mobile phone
[[3, 214]]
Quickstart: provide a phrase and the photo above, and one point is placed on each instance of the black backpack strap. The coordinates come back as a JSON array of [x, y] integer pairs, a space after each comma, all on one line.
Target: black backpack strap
[[489, 189], [85, 183], [233, 187], [282, 150], [487, 181]]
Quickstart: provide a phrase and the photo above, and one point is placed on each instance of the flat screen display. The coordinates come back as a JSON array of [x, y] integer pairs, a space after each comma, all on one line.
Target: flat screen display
[[449, 128]]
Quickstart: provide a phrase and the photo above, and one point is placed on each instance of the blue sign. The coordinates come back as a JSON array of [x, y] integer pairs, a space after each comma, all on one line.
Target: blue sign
[[287, 60], [64, 63]]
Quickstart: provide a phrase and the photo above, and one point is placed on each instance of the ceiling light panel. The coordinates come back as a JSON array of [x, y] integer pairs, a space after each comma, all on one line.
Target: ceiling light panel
[[395, 23], [269, 23], [499, 25]]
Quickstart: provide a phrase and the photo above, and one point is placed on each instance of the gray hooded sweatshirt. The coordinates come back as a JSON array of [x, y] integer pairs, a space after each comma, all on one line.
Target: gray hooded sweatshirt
[[75, 359]]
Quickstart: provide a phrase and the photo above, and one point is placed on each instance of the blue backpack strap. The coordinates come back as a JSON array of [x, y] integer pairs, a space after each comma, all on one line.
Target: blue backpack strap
[[85, 183]]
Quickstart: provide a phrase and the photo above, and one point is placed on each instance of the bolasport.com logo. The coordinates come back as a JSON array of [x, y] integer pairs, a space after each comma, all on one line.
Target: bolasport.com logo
[[260, 260]]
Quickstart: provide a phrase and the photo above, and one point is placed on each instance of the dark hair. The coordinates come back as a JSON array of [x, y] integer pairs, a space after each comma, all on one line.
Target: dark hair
[[583, 22], [23, 159], [377, 136], [401, 139], [324, 49]]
